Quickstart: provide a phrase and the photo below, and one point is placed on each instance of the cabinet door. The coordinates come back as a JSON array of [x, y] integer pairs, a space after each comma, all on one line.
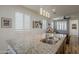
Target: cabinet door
[[61, 49]]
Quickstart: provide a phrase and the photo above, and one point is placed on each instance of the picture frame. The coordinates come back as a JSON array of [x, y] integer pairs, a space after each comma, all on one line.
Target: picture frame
[[6, 22], [74, 26], [37, 24]]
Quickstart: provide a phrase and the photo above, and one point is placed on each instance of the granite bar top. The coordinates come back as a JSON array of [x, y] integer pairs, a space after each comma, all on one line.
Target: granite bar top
[[44, 48]]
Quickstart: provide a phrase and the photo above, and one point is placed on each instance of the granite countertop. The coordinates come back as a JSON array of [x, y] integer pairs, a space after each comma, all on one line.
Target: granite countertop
[[43, 48]]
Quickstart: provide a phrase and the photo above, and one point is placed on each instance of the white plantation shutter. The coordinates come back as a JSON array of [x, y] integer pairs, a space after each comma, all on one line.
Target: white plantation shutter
[[61, 25], [27, 22], [22, 21], [18, 20], [52, 25], [44, 24]]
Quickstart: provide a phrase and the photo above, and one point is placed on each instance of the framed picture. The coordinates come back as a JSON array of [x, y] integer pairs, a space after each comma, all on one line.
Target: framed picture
[[6, 22], [74, 26], [37, 24]]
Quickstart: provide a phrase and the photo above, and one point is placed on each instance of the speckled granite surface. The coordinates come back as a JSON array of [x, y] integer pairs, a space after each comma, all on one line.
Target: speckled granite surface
[[43, 48], [33, 45]]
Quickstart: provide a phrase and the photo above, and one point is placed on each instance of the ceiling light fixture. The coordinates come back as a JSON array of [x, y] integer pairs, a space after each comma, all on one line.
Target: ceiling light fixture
[[45, 13], [54, 11], [41, 11]]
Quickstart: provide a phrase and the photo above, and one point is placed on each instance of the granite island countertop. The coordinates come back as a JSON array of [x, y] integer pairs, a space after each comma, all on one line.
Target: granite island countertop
[[44, 48]]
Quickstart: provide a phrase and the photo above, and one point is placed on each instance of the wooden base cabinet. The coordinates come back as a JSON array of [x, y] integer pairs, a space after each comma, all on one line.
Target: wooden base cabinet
[[62, 48]]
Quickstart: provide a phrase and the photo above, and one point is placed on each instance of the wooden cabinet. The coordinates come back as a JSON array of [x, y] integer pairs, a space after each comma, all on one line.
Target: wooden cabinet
[[62, 48]]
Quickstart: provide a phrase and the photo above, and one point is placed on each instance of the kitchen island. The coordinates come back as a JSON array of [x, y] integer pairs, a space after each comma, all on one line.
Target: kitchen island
[[45, 48]]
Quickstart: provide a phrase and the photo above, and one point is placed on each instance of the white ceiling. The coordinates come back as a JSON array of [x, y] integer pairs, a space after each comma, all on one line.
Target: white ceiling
[[61, 10]]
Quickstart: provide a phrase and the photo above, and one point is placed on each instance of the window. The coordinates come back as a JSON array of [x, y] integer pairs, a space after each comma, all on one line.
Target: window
[[44, 24], [18, 20], [52, 25], [22, 21], [61, 25], [58, 25], [27, 22], [65, 25]]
